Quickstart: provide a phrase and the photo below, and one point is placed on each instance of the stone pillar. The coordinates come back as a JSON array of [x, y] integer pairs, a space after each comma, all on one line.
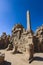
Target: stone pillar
[[29, 52], [28, 21]]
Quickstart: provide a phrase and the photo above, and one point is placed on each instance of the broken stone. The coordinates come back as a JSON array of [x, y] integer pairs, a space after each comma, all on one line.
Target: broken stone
[[2, 57]]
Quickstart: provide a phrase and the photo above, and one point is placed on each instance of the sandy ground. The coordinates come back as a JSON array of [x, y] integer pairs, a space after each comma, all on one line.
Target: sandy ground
[[19, 59]]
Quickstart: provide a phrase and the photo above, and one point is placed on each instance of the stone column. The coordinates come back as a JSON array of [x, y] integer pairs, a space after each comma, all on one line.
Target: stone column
[[28, 21]]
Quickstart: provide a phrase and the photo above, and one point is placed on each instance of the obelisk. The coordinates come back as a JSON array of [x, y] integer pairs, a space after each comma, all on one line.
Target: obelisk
[[28, 21]]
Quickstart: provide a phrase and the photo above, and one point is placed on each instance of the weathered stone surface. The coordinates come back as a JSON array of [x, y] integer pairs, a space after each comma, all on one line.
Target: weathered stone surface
[[4, 41], [10, 47], [39, 35], [2, 57], [16, 34], [23, 41]]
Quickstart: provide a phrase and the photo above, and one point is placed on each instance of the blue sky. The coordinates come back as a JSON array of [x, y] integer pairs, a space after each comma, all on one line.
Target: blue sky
[[14, 11]]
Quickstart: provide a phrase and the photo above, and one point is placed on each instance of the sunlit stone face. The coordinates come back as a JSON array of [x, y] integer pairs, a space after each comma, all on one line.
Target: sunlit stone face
[[40, 34]]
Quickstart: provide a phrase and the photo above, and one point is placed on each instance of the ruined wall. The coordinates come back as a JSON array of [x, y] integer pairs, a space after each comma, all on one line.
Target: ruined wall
[[4, 40], [39, 35]]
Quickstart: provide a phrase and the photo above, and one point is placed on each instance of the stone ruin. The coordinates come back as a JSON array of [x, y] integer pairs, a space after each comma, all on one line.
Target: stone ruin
[[2, 57], [39, 39], [23, 40], [4, 40], [26, 41]]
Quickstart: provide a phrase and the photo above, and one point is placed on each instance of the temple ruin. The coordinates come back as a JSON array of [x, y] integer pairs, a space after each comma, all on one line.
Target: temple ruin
[[23, 40]]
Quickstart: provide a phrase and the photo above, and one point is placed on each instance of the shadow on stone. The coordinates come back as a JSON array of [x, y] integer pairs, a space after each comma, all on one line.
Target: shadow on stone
[[38, 58], [17, 52], [31, 60], [5, 63]]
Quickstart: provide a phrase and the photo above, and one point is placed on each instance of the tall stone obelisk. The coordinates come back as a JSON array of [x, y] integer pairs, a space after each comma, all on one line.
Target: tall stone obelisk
[[28, 21]]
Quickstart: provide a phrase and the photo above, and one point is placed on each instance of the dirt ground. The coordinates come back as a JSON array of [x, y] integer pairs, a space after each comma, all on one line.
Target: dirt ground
[[19, 59]]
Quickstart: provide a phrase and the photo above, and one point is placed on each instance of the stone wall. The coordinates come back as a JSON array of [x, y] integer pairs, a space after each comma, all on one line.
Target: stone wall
[[4, 40]]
